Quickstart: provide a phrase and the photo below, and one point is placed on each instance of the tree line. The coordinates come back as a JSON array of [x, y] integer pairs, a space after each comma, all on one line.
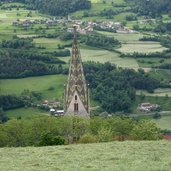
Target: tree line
[[19, 58], [46, 130], [20, 68], [100, 41]]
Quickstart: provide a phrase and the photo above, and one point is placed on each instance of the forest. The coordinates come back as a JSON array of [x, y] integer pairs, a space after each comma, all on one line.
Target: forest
[[152, 8], [114, 87], [56, 7]]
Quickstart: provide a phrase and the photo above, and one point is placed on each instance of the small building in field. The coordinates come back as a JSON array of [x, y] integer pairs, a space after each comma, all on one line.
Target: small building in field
[[148, 107]]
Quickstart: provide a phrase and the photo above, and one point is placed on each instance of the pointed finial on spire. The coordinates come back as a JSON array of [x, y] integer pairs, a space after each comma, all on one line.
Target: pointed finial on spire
[[75, 33]]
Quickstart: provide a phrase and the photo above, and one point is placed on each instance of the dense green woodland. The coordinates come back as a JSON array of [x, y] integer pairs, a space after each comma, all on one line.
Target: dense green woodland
[[48, 130], [153, 8], [19, 58], [115, 88], [56, 7]]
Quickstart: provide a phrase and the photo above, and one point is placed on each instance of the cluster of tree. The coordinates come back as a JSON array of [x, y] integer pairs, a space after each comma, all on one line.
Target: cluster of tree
[[163, 27], [150, 38], [131, 17], [115, 88], [152, 8], [66, 36], [3, 117], [109, 13], [62, 53], [56, 7], [45, 130], [26, 99], [18, 43], [164, 40], [165, 66], [32, 55], [100, 41], [20, 68], [18, 61], [10, 102]]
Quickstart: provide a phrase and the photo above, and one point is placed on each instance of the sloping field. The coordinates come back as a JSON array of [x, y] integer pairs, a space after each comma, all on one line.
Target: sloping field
[[40, 84], [98, 55], [114, 156]]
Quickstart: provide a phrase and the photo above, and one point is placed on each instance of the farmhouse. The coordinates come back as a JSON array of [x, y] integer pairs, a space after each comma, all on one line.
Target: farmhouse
[[148, 107]]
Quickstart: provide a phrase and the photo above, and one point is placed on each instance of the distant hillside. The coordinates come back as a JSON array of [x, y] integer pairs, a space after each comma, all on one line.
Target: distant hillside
[[118, 156]]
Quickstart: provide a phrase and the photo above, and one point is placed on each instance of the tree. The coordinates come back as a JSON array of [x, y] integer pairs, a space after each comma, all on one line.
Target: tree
[[146, 130]]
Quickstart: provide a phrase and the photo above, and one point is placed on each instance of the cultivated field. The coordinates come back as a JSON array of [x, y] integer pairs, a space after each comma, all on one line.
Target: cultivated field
[[99, 55], [118, 156], [141, 47], [123, 37], [160, 92]]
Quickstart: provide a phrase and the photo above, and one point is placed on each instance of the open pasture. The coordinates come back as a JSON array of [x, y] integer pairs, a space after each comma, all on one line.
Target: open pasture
[[98, 55], [49, 44], [124, 38], [164, 122], [141, 47], [25, 113], [40, 84]]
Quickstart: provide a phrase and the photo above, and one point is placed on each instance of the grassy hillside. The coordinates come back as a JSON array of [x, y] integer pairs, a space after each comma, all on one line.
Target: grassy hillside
[[118, 156], [40, 84]]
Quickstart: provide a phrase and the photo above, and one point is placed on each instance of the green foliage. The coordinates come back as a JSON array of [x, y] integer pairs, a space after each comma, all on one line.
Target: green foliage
[[156, 116], [101, 41], [66, 36], [64, 6], [10, 102], [3, 117], [18, 43], [146, 130], [152, 8], [115, 88], [54, 131], [48, 139], [88, 138], [104, 134]]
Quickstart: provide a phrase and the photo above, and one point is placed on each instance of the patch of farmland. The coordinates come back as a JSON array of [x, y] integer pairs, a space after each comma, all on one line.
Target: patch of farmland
[[141, 47]]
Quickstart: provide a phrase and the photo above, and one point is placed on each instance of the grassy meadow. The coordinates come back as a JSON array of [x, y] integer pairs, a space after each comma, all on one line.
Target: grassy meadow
[[102, 56], [141, 47], [25, 113], [40, 84], [164, 122], [118, 156]]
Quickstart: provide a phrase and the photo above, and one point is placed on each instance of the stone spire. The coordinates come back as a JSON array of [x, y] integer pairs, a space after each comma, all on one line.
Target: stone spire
[[76, 93]]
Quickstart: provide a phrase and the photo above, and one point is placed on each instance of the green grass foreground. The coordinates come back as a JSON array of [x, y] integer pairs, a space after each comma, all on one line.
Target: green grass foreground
[[117, 156]]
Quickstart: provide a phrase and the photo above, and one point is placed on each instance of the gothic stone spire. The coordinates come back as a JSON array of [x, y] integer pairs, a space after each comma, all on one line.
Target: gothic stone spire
[[76, 94]]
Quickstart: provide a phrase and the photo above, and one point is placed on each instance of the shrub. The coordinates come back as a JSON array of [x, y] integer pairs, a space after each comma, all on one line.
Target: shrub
[[49, 139], [146, 130], [104, 134], [88, 138]]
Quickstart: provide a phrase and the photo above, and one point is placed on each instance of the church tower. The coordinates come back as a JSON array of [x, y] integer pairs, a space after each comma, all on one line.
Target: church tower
[[76, 92]]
